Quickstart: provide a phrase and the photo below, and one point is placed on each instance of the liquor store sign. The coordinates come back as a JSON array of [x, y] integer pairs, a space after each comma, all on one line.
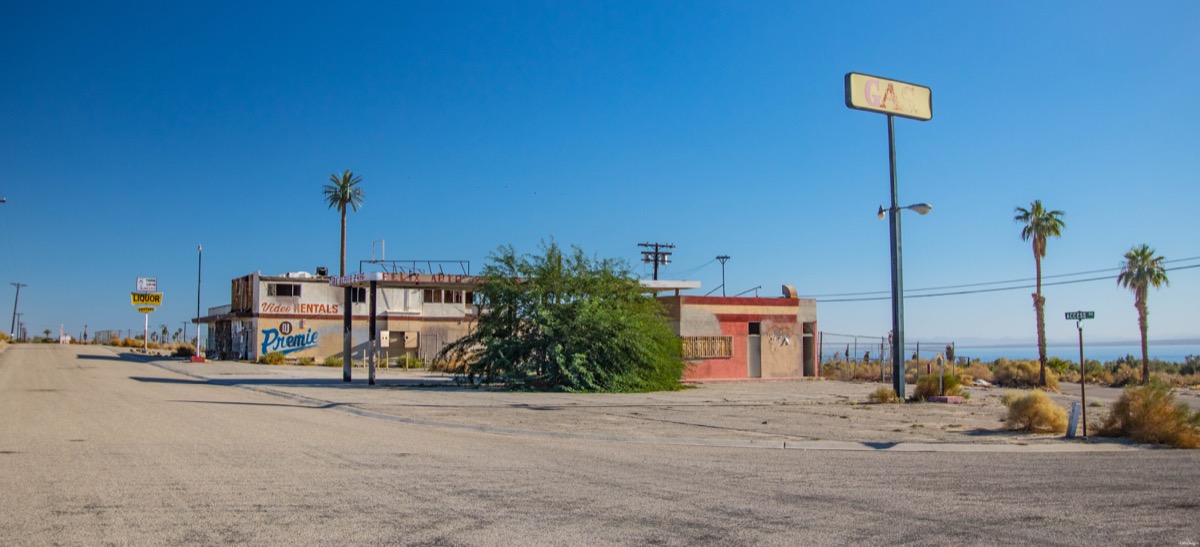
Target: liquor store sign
[[146, 299]]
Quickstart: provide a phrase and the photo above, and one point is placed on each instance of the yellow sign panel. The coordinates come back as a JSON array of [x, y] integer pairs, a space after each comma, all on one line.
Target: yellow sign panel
[[146, 309], [866, 92], [146, 299]]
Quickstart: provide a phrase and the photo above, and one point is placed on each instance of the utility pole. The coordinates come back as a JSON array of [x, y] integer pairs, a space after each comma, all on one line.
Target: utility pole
[[12, 329], [723, 258], [657, 255], [199, 270]]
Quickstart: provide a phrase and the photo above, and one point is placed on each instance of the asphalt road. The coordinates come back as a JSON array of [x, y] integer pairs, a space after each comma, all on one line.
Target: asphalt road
[[95, 449]]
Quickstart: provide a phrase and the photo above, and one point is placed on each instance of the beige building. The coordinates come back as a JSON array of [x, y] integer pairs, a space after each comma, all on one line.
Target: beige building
[[301, 315]]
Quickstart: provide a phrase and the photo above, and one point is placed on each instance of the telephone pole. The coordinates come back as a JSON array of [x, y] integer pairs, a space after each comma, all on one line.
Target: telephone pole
[[657, 255], [12, 329], [723, 258]]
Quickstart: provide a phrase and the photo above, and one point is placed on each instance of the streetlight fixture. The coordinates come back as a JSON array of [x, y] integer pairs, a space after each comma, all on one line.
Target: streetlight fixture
[[918, 208]]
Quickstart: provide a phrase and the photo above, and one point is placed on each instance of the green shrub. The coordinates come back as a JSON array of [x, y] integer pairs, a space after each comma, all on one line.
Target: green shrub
[[273, 358], [928, 386], [306, 362], [1023, 374], [409, 361], [184, 350], [333, 361], [883, 394], [1034, 412], [1150, 414]]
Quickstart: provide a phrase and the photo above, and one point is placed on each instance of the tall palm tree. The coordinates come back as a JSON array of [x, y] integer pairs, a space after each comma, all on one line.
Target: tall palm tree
[[1039, 224], [343, 191], [1141, 271]]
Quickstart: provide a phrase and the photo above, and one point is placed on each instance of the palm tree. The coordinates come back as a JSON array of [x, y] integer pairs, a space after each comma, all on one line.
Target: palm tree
[[1141, 271], [1039, 224], [343, 191]]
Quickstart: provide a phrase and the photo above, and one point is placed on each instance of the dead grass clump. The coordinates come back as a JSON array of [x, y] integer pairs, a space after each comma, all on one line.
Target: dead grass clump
[[1034, 412], [1150, 414], [928, 386], [883, 394], [976, 371], [1023, 374], [1125, 375]]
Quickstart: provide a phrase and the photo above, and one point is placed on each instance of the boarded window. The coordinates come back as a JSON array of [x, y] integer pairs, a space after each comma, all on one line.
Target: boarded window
[[283, 289], [707, 347]]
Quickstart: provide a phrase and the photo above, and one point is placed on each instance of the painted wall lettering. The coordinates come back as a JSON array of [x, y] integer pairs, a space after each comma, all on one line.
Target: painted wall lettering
[[273, 340]]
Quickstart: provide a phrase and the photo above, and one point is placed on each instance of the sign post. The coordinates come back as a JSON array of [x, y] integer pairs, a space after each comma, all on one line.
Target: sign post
[[893, 98], [145, 298], [1079, 317]]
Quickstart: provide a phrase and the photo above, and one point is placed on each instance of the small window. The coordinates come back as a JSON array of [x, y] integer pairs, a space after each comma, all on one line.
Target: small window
[[470, 297], [283, 289], [433, 296], [755, 328], [358, 295]]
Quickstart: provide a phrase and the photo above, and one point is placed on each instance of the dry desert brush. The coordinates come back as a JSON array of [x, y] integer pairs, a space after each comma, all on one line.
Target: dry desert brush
[[1034, 412], [1150, 414]]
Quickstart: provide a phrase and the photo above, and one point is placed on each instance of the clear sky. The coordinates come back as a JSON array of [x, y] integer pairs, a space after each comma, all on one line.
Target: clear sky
[[129, 134]]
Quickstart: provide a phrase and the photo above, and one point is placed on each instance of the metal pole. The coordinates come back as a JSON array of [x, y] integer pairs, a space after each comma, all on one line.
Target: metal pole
[[146, 334], [346, 327], [371, 337], [897, 271], [1082, 384], [199, 269], [12, 329]]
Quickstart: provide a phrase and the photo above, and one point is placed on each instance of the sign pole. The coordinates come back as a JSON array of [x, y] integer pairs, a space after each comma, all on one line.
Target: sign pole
[[146, 334], [1082, 377], [898, 371]]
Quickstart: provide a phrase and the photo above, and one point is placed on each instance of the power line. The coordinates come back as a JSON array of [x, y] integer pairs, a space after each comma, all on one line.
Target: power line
[[998, 289], [986, 283]]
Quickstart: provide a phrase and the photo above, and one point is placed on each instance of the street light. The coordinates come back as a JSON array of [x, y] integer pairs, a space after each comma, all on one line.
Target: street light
[[898, 287], [918, 208]]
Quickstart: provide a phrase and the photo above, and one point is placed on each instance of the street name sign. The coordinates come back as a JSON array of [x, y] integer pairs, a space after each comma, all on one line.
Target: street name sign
[[1079, 315], [146, 299], [893, 97]]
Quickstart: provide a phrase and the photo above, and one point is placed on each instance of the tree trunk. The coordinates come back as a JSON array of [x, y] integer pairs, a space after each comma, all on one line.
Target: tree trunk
[[1039, 306], [1143, 326], [342, 269]]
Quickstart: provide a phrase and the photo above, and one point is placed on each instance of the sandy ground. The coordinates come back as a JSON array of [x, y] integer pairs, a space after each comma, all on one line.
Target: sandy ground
[[768, 412]]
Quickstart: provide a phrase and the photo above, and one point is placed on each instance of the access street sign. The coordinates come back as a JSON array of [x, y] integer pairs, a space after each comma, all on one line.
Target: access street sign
[[146, 309], [147, 284], [144, 299], [1079, 315]]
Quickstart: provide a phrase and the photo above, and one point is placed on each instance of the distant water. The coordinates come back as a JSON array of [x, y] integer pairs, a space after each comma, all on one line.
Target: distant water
[[1174, 353]]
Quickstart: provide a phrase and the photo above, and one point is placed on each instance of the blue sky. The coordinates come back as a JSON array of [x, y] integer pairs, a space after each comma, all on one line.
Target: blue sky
[[129, 134]]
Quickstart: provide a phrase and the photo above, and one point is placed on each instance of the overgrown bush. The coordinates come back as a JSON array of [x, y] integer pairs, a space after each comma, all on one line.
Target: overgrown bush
[[976, 371], [1034, 412], [409, 361], [1022, 374], [1125, 375], [566, 321], [928, 386], [883, 394], [306, 362], [273, 358], [184, 350], [333, 361], [1150, 414]]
